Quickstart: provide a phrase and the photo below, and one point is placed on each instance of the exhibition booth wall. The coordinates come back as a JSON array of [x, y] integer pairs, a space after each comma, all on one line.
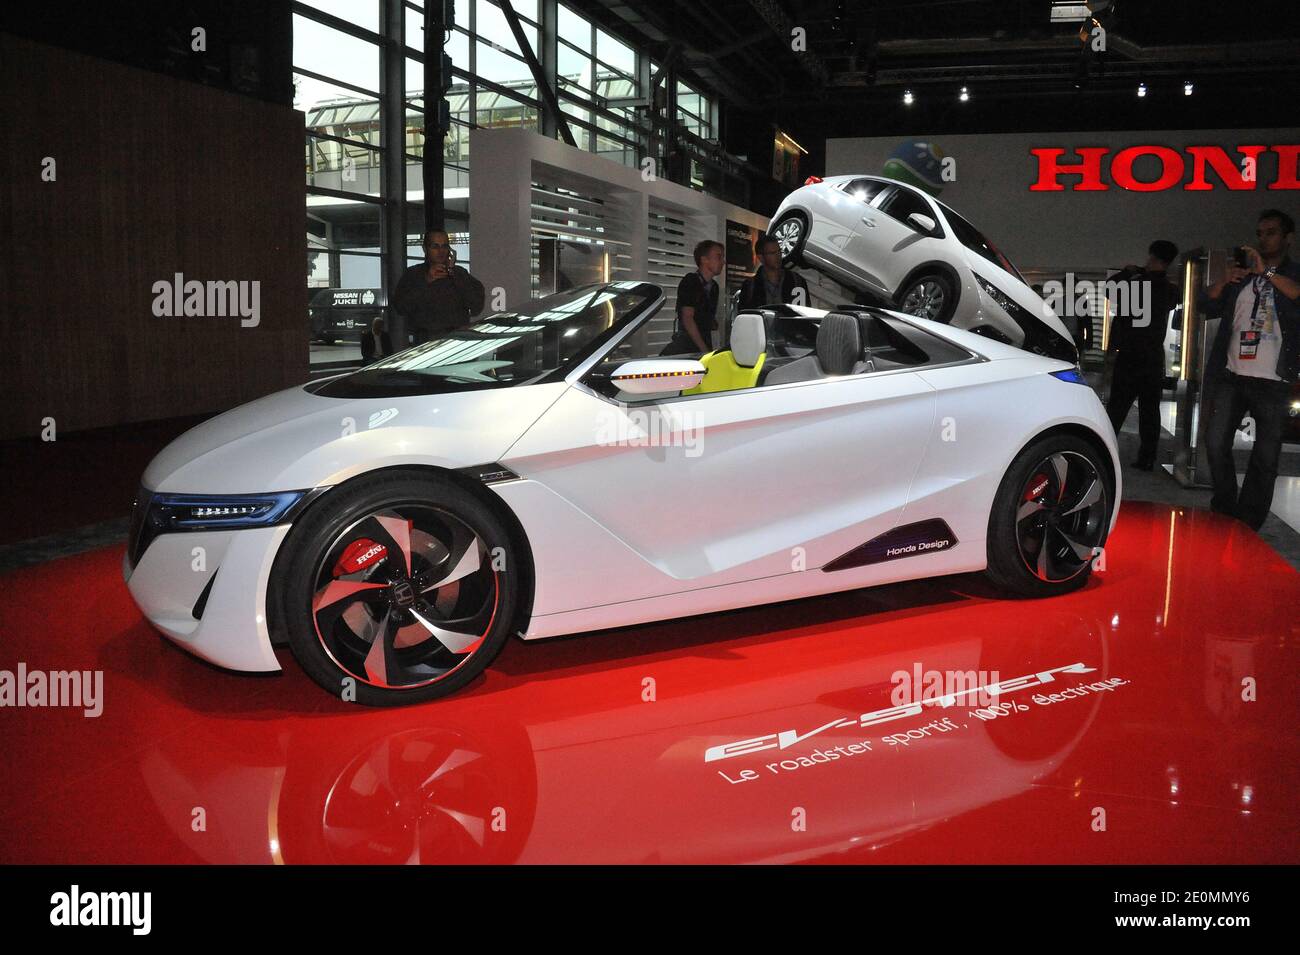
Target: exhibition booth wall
[[116, 179], [1188, 186], [527, 190]]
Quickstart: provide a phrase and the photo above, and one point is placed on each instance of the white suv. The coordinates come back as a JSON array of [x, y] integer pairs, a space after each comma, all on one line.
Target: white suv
[[895, 243]]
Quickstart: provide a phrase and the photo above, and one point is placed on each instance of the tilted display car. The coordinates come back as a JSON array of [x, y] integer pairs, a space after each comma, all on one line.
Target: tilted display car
[[537, 474], [901, 246]]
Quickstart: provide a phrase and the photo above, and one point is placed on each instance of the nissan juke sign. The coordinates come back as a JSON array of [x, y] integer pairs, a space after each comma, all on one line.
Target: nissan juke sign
[[352, 296]]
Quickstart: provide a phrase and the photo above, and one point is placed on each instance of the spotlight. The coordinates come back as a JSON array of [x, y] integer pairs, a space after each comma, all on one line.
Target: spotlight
[[907, 97], [1142, 90], [1188, 88], [963, 95]]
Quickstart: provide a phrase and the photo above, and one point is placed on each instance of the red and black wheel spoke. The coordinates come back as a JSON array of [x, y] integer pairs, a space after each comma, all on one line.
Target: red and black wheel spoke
[[334, 599], [457, 634], [382, 665], [459, 559]]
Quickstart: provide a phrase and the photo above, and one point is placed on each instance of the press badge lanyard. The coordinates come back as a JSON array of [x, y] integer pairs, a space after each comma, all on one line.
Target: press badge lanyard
[[1248, 345]]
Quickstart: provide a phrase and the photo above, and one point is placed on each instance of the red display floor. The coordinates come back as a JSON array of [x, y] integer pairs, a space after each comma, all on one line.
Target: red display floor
[[1179, 745]]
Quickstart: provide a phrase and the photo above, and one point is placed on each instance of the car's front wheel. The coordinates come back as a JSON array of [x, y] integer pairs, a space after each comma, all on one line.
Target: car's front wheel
[[791, 232], [931, 296], [400, 588], [1050, 517]]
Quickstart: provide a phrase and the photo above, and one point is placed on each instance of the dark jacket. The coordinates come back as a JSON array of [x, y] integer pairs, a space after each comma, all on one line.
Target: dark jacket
[[753, 293], [368, 346], [1288, 317], [1144, 343], [435, 307]]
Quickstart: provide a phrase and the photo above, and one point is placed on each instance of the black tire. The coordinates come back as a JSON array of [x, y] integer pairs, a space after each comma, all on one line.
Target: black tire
[[1067, 514], [791, 233], [930, 295], [334, 618]]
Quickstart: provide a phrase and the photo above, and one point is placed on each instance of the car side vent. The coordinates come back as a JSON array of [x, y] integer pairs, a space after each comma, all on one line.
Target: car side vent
[[202, 602]]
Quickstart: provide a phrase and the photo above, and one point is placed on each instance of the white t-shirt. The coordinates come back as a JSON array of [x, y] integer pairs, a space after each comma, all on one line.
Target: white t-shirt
[[1256, 341]]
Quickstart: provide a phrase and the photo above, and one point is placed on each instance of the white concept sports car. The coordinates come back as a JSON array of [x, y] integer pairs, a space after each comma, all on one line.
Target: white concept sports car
[[537, 474], [902, 246]]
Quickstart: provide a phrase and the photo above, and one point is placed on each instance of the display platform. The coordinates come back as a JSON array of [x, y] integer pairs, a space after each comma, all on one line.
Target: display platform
[[1178, 745]]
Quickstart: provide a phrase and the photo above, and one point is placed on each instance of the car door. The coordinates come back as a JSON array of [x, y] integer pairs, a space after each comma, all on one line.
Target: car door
[[842, 231], [894, 245], [736, 485]]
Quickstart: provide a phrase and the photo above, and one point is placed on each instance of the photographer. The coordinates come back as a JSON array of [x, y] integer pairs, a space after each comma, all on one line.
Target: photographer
[[1137, 343], [437, 295], [1253, 361]]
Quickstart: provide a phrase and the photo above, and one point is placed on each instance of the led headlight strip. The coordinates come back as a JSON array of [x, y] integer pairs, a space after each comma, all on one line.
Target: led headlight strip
[[156, 514], [213, 511]]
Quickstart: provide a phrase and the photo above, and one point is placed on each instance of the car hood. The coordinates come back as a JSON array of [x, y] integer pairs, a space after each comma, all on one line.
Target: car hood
[[294, 439]]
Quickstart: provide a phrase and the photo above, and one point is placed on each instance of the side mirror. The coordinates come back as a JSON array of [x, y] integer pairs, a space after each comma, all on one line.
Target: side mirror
[[657, 376], [923, 222]]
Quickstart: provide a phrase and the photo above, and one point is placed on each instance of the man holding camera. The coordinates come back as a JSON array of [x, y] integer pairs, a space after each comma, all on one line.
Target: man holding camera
[[1253, 362], [437, 295]]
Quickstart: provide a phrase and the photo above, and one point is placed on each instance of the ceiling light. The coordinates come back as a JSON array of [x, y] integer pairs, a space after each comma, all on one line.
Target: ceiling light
[[907, 97], [963, 95], [1142, 89], [1187, 88]]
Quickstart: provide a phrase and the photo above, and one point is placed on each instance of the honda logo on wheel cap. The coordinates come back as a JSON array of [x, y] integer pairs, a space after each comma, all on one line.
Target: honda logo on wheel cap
[[403, 593]]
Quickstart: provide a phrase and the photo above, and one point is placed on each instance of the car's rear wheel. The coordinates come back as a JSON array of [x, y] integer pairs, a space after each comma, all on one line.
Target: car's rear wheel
[[400, 589], [1050, 517], [791, 232], [931, 296]]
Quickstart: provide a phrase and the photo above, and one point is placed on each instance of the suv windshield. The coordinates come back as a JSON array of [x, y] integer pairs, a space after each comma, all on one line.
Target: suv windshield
[[545, 336], [974, 240]]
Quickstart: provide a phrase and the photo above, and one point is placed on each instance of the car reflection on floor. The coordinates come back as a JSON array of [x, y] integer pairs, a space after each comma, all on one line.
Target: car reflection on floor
[[593, 749]]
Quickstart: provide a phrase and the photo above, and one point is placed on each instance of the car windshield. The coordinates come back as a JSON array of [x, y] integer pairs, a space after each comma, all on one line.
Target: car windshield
[[546, 336], [974, 240]]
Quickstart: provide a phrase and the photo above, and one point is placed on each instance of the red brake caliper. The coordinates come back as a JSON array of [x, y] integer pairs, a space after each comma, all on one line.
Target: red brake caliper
[[359, 555]]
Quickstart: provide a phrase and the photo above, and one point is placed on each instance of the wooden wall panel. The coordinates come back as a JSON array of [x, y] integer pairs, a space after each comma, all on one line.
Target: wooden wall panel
[[155, 176]]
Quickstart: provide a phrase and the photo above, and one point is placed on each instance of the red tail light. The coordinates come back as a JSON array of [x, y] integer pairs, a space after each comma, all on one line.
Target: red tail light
[[812, 180]]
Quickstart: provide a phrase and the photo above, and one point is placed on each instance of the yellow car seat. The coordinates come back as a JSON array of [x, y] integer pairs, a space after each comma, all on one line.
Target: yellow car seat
[[740, 365]]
